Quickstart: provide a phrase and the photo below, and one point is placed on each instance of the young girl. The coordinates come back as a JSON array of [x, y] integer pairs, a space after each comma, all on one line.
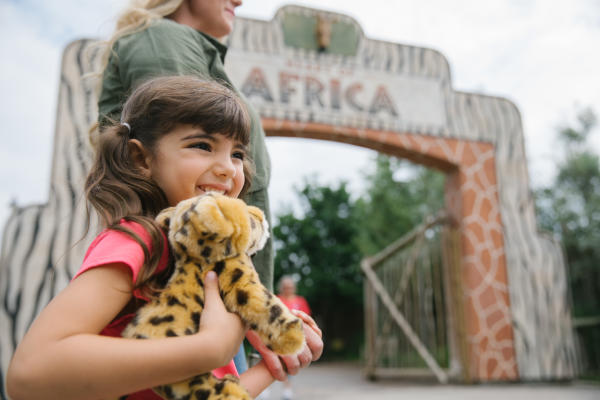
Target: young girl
[[178, 137], [181, 37]]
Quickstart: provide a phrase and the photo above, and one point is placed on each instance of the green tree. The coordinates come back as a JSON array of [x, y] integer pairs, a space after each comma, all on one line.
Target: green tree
[[399, 196], [570, 208], [318, 248]]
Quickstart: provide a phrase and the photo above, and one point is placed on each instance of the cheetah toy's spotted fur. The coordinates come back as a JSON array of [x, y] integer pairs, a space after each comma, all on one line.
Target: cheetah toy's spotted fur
[[215, 232]]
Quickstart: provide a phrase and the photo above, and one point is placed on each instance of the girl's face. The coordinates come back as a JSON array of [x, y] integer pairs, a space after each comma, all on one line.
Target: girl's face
[[213, 17], [188, 162]]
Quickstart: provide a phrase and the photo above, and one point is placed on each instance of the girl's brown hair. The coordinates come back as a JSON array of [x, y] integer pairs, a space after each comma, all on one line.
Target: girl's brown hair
[[118, 189]]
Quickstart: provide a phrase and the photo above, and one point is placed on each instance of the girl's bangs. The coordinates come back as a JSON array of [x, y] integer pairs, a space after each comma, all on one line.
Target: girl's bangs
[[225, 115]]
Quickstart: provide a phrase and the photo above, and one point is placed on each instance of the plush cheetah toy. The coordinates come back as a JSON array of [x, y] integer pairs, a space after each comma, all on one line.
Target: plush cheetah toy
[[215, 232]]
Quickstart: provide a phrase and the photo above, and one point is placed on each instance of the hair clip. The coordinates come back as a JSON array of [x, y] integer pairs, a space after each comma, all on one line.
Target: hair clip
[[125, 124]]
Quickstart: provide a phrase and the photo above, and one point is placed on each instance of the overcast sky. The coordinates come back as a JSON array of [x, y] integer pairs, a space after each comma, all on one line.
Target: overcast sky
[[542, 55]]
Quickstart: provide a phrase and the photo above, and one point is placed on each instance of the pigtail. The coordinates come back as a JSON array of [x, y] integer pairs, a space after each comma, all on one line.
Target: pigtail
[[118, 191]]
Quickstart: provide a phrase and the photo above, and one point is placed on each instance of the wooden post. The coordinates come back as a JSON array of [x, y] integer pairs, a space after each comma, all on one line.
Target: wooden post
[[403, 324], [370, 329]]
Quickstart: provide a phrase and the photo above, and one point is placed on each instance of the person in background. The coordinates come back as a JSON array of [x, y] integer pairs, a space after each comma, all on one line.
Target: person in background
[[287, 293]]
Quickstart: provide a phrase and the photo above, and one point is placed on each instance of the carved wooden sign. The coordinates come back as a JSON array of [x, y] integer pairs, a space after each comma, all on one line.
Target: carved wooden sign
[[334, 94]]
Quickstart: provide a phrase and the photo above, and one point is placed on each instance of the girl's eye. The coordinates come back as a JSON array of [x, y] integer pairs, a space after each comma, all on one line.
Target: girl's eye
[[239, 154], [201, 145]]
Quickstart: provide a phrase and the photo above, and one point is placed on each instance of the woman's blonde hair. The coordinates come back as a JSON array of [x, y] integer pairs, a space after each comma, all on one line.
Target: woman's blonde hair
[[136, 17]]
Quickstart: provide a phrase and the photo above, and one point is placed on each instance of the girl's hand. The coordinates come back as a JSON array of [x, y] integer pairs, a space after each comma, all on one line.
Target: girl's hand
[[281, 366], [225, 329]]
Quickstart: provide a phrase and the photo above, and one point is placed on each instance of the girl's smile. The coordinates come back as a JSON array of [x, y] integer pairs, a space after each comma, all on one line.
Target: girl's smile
[[188, 162]]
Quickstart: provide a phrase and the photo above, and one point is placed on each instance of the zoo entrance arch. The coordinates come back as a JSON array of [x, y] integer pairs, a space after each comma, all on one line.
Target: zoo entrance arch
[[314, 74]]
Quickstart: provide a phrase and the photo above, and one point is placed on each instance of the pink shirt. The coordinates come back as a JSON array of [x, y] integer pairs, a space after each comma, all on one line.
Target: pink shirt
[[295, 303], [117, 247]]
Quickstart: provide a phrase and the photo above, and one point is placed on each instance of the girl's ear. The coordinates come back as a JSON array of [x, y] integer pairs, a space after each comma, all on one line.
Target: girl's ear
[[140, 156]]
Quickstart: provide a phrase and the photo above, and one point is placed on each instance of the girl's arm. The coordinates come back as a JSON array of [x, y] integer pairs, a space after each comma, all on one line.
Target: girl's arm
[[63, 357], [256, 379]]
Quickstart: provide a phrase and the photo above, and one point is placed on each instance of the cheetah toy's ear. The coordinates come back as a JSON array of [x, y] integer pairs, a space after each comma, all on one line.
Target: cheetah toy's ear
[[164, 218], [259, 232]]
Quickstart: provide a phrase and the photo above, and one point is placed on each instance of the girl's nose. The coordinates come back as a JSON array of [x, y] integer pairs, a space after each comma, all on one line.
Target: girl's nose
[[224, 166], [236, 3]]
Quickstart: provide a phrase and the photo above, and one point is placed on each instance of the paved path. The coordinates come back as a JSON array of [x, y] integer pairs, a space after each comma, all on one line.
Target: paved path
[[327, 381]]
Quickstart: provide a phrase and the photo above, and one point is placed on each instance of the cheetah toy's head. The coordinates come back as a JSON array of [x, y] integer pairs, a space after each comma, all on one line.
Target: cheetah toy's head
[[213, 227]]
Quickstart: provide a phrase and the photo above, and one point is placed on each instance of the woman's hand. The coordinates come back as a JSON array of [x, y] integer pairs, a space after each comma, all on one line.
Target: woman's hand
[[226, 329], [281, 366]]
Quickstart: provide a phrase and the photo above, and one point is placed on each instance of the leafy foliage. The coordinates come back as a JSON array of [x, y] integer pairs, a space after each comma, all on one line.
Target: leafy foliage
[[399, 196], [570, 208], [318, 249]]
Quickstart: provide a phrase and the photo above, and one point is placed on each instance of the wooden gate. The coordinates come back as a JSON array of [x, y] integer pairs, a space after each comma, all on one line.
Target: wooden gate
[[412, 322]]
